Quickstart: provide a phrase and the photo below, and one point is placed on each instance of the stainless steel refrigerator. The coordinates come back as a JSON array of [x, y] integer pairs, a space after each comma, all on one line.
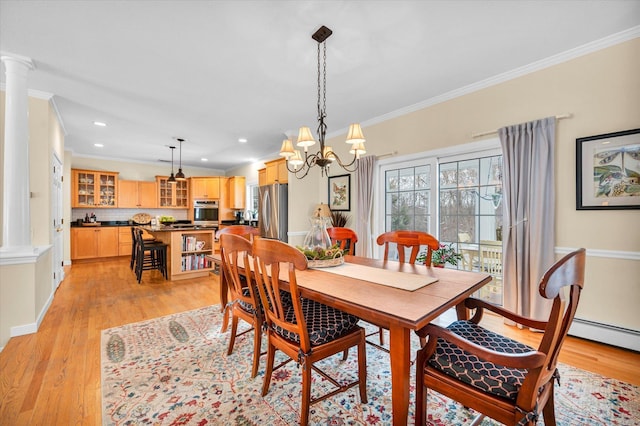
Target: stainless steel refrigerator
[[273, 217]]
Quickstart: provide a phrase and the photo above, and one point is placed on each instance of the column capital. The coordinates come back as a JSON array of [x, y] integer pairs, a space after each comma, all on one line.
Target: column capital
[[23, 60]]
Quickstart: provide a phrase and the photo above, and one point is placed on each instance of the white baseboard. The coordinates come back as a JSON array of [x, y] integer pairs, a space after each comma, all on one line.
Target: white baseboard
[[604, 333], [21, 330]]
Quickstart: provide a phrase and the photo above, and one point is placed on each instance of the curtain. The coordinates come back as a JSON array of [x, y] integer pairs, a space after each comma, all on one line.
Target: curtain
[[364, 177], [529, 221]]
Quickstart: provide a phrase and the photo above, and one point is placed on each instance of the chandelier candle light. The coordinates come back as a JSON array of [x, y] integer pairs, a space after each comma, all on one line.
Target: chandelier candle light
[[325, 156]]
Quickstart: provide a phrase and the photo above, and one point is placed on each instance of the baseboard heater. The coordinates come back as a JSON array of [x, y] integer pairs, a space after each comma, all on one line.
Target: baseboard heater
[[605, 333]]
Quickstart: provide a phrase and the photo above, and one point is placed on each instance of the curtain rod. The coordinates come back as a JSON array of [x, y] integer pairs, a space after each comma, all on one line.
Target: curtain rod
[[388, 154], [491, 132]]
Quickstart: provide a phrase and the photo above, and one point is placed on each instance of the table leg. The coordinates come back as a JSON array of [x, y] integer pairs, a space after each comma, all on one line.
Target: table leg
[[400, 344]]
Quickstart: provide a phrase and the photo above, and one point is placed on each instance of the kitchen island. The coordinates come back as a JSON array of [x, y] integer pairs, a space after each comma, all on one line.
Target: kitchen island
[[187, 251]]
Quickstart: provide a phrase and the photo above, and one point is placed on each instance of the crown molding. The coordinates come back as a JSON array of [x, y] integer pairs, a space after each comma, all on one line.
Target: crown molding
[[585, 49]]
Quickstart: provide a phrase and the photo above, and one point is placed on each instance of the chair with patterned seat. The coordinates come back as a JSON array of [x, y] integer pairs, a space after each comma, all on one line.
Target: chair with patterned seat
[[306, 331], [405, 240], [495, 375], [346, 237], [235, 251]]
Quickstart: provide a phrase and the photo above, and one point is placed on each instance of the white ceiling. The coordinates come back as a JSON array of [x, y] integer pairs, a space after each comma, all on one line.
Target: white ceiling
[[214, 71]]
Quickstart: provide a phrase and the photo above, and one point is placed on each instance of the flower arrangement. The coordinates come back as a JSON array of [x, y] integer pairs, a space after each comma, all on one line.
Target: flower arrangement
[[443, 255]]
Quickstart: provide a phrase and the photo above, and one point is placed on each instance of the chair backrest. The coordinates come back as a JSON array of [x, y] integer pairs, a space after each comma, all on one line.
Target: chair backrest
[[270, 257], [245, 231], [235, 251], [346, 237], [567, 272], [409, 239]]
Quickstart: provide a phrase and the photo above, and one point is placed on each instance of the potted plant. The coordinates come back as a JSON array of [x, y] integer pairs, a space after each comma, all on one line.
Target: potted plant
[[443, 255]]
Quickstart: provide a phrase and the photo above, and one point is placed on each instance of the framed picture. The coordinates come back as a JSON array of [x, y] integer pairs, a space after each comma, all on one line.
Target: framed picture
[[340, 192], [608, 171]]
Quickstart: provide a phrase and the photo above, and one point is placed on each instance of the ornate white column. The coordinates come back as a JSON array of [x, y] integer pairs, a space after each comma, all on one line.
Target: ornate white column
[[16, 216]]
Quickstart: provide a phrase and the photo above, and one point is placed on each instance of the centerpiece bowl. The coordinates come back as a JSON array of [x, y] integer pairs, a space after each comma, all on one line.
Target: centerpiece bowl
[[323, 258]]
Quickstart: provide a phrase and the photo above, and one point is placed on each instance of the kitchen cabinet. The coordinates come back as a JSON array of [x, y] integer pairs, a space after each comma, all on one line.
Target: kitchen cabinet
[[276, 171], [205, 188], [94, 242], [137, 194], [91, 189], [125, 241], [172, 195], [262, 177], [236, 192]]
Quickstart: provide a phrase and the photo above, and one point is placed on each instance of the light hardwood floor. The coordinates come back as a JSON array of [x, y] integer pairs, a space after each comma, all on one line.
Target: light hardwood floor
[[52, 377]]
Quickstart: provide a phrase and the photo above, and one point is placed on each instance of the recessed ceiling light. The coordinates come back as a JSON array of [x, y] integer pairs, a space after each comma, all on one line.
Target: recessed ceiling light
[[99, 145], [242, 140], [204, 159], [100, 123]]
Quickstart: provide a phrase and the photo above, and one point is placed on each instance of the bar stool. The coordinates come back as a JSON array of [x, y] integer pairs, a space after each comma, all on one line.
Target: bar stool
[[150, 256], [134, 246]]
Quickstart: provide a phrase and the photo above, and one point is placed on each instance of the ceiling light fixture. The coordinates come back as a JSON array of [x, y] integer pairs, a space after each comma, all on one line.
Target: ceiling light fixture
[[242, 140], [325, 156], [180, 175], [99, 145], [100, 124], [172, 178]]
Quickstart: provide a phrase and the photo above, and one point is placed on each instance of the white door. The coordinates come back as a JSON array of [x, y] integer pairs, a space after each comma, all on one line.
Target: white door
[[57, 231]]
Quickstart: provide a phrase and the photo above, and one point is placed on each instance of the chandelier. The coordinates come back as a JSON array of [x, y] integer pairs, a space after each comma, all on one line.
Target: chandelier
[[325, 156]]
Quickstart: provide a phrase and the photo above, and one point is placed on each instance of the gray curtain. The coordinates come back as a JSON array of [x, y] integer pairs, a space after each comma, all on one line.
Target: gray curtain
[[529, 222], [364, 180]]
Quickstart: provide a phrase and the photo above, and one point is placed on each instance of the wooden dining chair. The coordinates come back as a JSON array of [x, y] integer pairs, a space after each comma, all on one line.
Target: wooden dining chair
[[495, 375], [306, 331], [346, 237], [405, 240], [412, 240], [249, 232], [245, 300]]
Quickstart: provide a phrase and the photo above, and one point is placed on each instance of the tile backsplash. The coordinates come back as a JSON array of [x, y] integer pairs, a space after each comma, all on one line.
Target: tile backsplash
[[108, 215]]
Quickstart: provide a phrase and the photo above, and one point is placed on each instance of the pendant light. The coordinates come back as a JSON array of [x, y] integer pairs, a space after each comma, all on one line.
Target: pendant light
[[180, 175], [172, 178]]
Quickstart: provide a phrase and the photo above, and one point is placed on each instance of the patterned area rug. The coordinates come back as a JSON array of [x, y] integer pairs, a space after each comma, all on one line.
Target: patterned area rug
[[174, 371]]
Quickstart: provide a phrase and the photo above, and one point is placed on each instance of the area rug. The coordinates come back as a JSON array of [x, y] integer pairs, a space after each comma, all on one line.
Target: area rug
[[174, 371]]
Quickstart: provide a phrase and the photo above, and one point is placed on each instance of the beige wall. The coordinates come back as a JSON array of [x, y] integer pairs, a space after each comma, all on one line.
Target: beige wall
[[602, 91], [27, 289]]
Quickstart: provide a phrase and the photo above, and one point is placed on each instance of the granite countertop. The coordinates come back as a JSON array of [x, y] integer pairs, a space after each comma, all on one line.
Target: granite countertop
[[74, 224]]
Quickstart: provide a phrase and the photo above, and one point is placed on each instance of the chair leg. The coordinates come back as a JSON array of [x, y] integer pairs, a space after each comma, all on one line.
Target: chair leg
[[345, 354], [271, 352], [257, 344], [381, 333], [234, 329], [548, 411], [362, 369], [306, 393]]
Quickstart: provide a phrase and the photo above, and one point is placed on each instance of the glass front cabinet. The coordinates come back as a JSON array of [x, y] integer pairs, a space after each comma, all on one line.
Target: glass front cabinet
[[172, 195], [94, 189]]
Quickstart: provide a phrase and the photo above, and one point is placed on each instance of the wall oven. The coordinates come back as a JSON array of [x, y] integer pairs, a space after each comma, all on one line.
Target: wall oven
[[205, 212]]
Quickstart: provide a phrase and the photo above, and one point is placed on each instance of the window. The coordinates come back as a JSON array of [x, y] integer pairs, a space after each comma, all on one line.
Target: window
[[457, 198], [470, 215], [407, 196]]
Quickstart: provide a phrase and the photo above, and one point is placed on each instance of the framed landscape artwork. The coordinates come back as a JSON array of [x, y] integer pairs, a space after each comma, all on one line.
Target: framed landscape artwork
[[608, 171], [340, 192]]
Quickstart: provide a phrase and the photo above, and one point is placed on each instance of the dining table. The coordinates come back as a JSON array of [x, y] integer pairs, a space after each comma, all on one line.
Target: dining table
[[391, 305]]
